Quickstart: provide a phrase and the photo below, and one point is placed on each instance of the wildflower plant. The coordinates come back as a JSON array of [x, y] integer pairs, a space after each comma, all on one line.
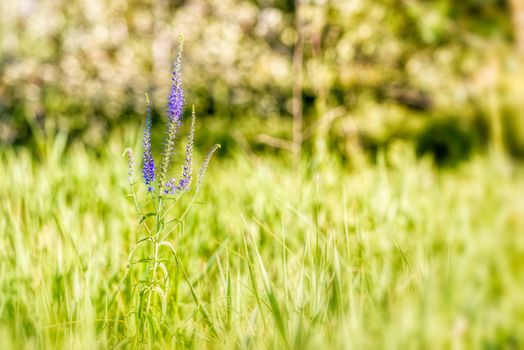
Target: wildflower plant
[[153, 252]]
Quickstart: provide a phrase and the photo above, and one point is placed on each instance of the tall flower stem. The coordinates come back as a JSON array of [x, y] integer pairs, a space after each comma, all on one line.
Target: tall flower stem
[[156, 275]]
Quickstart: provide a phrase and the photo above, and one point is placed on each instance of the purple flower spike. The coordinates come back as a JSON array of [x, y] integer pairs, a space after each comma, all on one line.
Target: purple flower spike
[[148, 169], [175, 106], [175, 109], [187, 170]]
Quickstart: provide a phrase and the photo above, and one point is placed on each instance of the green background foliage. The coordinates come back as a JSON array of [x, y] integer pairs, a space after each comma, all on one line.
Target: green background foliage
[[373, 71]]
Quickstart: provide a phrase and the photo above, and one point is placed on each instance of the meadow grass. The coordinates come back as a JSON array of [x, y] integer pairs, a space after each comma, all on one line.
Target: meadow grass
[[397, 254]]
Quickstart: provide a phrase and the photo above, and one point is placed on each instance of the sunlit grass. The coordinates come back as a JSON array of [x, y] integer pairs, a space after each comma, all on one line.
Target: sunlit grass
[[393, 255]]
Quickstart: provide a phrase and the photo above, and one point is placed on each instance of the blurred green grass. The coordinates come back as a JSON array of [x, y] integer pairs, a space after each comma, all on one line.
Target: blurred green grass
[[400, 254]]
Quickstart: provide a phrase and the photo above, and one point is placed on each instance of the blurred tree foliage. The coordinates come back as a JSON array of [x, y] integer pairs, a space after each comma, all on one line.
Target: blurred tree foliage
[[374, 70]]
